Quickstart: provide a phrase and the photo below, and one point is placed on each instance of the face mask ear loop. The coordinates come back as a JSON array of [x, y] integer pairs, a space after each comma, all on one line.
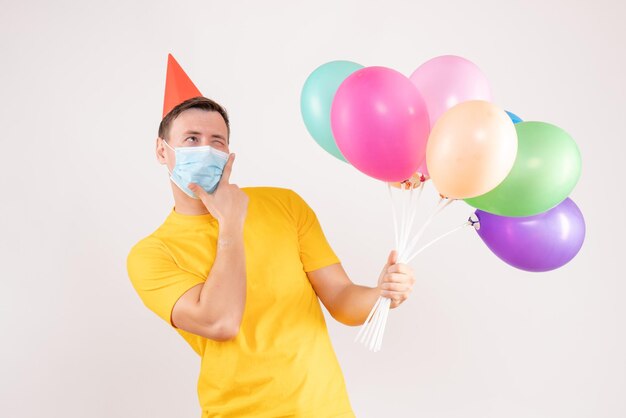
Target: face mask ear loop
[[170, 147]]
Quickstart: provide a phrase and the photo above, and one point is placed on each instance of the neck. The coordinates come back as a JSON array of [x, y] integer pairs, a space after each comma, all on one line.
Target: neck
[[186, 205]]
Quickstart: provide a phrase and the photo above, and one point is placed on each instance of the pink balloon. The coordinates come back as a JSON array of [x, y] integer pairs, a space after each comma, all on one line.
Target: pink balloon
[[380, 123], [448, 80]]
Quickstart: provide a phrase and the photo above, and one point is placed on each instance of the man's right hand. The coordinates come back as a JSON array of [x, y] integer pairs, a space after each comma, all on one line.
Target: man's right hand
[[228, 203], [215, 309]]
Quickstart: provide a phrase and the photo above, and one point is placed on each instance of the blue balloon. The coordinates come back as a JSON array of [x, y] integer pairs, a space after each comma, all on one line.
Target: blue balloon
[[514, 117]]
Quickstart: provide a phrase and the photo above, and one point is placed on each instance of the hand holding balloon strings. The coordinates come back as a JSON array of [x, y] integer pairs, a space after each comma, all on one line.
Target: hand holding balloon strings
[[372, 330]]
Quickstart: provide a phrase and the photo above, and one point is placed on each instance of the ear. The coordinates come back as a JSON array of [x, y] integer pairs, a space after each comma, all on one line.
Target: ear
[[160, 150]]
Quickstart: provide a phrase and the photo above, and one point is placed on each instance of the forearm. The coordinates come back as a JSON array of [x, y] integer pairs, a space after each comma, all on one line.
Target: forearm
[[354, 303], [223, 295]]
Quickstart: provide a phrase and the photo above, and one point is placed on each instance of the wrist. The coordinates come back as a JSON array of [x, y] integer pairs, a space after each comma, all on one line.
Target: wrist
[[229, 230]]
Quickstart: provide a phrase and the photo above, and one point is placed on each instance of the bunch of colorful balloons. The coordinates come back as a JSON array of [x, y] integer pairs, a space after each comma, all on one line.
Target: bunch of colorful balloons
[[439, 123]]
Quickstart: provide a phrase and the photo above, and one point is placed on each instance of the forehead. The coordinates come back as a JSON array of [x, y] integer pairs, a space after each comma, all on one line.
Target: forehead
[[199, 120]]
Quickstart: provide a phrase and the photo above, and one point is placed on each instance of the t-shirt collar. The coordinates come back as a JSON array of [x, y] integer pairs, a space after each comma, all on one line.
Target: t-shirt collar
[[180, 219]]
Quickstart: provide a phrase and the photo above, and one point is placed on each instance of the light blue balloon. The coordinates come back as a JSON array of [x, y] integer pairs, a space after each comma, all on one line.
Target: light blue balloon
[[316, 100], [514, 117]]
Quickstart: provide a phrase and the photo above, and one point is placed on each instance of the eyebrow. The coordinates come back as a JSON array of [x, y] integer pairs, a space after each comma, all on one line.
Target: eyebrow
[[200, 133]]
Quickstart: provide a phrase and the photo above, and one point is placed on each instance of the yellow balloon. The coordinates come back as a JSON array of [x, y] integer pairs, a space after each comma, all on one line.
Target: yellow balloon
[[471, 149]]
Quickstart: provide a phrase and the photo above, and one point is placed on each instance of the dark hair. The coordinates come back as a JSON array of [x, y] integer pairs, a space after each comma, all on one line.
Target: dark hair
[[193, 103]]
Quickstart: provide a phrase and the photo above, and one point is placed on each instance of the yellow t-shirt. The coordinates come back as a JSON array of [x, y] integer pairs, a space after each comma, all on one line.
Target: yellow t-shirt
[[282, 363]]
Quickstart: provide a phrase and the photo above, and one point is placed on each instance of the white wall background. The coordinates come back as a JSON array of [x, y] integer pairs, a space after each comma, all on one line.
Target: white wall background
[[81, 87]]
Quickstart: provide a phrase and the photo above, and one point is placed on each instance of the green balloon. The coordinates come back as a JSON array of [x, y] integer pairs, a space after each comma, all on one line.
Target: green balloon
[[317, 97], [546, 169]]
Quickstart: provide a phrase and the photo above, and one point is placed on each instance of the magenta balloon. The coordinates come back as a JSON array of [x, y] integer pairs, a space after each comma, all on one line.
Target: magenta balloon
[[448, 80], [380, 123], [535, 243]]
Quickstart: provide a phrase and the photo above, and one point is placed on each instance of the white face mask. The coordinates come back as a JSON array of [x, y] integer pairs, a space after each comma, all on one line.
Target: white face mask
[[201, 165]]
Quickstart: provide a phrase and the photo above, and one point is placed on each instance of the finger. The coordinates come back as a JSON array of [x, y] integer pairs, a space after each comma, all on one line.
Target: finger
[[393, 256], [394, 294], [396, 297], [397, 278], [387, 264], [396, 287], [228, 168], [396, 303], [199, 191], [400, 268]]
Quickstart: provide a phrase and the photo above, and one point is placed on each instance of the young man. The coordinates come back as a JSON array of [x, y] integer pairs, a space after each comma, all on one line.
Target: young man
[[238, 273]]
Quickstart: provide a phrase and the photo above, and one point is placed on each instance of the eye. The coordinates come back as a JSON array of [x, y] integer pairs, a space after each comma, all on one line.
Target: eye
[[193, 138]]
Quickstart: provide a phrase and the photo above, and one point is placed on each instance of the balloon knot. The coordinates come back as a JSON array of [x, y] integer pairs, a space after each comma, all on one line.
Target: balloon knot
[[475, 223]]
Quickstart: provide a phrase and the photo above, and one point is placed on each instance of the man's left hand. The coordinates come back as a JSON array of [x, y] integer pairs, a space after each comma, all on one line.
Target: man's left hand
[[396, 280]]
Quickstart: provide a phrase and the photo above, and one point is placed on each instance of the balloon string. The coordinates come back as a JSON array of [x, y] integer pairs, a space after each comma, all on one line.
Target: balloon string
[[413, 213], [371, 324], [372, 331], [395, 218], [403, 222], [379, 340], [402, 255], [361, 331], [466, 223], [403, 231], [428, 221], [374, 326]]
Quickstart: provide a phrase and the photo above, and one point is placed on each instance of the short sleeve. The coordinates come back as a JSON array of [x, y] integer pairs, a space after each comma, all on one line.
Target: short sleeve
[[315, 251], [157, 278]]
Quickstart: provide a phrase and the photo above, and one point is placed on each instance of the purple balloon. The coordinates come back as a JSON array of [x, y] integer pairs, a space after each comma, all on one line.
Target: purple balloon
[[541, 242]]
